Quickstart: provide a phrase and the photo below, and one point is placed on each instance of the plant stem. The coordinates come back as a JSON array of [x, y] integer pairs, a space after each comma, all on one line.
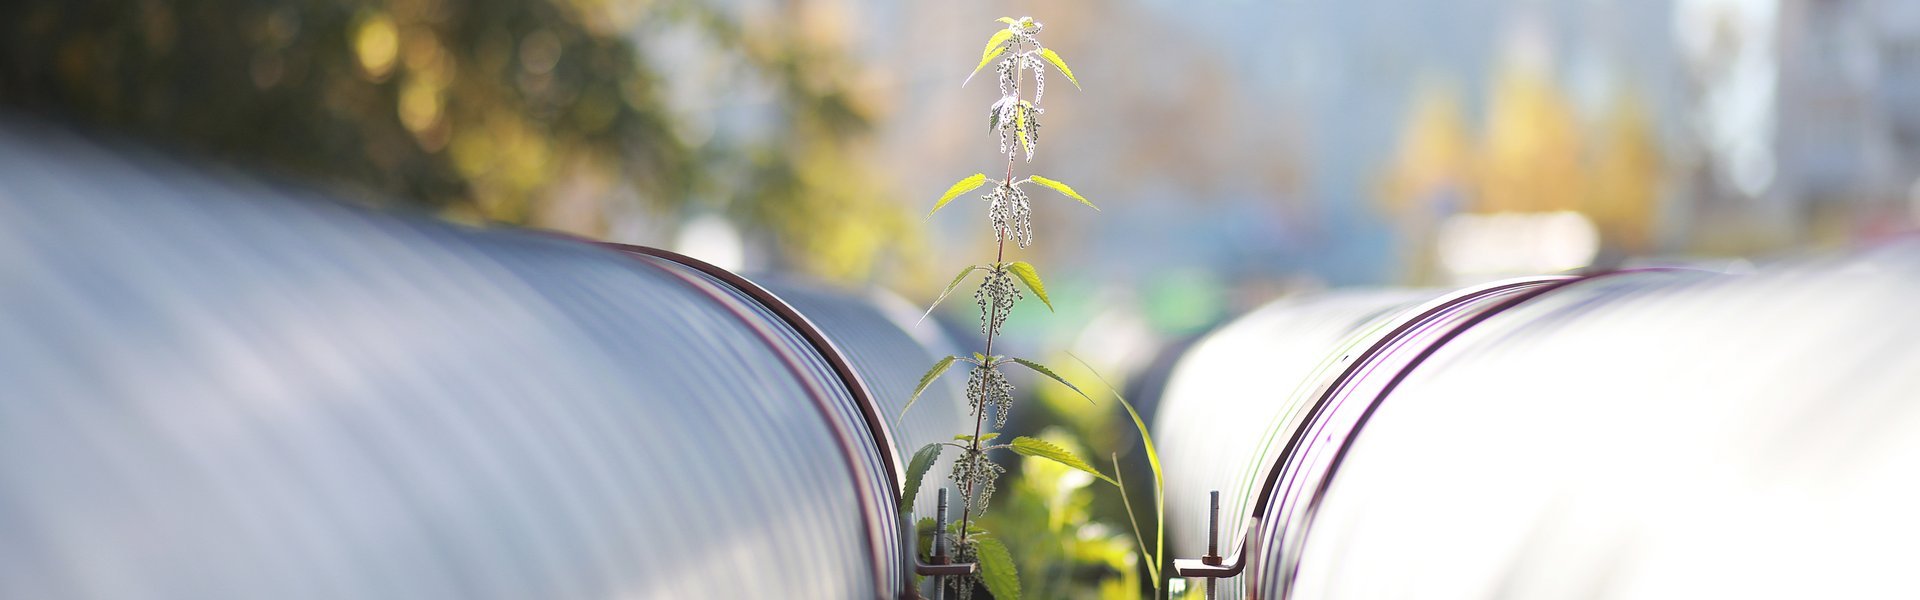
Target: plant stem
[[980, 412]]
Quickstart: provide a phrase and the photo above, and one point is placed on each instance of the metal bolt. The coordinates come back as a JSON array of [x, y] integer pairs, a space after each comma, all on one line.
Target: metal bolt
[[1213, 537], [940, 544], [1213, 523]]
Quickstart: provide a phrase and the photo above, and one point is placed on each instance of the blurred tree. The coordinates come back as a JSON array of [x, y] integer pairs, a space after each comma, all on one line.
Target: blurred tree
[[1627, 171], [480, 109], [1430, 177], [440, 102], [809, 179], [1532, 158]]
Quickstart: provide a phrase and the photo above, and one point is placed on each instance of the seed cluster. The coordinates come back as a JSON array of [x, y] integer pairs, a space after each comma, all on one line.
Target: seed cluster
[[1039, 78], [996, 296], [987, 388], [975, 475], [1009, 76], [1010, 213], [1004, 116], [1032, 126], [965, 551]]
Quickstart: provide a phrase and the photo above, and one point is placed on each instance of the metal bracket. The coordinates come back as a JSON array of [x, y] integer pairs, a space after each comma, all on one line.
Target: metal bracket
[[944, 569], [1212, 566], [941, 568]]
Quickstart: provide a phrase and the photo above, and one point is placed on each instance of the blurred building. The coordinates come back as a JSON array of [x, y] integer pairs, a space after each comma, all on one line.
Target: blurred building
[[1810, 114]]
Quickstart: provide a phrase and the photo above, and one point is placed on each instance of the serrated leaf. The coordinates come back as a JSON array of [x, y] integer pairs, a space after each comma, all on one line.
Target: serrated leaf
[[1026, 446], [1043, 370], [916, 472], [996, 46], [1032, 278], [963, 186], [996, 568], [923, 530], [1058, 63], [952, 285], [927, 379], [972, 529], [1064, 189], [984, 437]]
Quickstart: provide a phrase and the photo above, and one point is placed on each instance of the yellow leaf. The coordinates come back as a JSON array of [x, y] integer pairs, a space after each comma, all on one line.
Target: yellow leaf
[[961, 187], [996, 46], [1063, 189], [1052, 57]]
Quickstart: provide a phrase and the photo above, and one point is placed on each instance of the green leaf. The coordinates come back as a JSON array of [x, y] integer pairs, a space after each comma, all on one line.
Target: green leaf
[[983, 437], [916, 472], [996, 569], [1153, 460], [1063, 189], [1026, 446], [996, 46], [960, 187], [953, 527], [1032, 278], [1053, 57], [952, 285], [927, 379], [1008, 20], [1043, 370]]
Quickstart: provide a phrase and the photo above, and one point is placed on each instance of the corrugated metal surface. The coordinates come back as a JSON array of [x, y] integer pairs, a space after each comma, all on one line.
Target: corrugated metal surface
[[220, 388], [885, 340], [1644, 436], [1234, 401], [1637, 434]]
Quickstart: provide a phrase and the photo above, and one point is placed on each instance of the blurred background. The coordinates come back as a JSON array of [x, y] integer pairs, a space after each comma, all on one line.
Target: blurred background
[[1241, 149]]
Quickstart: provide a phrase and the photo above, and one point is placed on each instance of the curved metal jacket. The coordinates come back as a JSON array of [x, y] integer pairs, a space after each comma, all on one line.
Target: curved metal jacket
[[1233, 401], [1637, 434], [883, 338], [213, 387]]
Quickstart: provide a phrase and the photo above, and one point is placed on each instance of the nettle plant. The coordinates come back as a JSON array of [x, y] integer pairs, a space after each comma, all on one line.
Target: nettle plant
[[1015, 119]]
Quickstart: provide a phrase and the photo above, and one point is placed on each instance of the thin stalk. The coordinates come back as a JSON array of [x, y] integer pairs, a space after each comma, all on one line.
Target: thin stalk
[[980, 412]]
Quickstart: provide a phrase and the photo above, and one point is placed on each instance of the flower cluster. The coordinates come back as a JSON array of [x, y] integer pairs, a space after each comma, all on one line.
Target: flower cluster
[[988, 388], [966, 550], [996, 296], [1010, 214], [975, 474]]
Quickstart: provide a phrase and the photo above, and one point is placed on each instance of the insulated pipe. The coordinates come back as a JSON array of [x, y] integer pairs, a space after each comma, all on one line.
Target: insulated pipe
[[1378, 334], [1631, 434], [219, 387], [1641, 436]]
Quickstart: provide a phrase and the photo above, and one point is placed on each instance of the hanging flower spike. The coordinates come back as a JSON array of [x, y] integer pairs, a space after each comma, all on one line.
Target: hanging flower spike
[[996, 297], [1027, 128], [1010, 214], [1039, 77]]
